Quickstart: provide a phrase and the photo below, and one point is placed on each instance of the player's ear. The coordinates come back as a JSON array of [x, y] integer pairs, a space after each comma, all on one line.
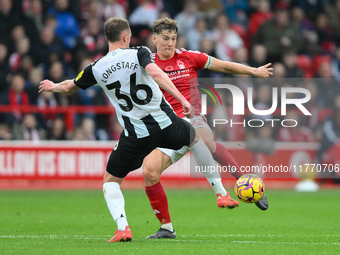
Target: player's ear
[[154, 38], [124, 36]]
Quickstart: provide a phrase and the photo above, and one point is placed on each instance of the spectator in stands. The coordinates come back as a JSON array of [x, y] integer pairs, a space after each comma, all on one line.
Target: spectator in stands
[[8, 18], [186, 19], [307, 31], [16, 97], [35, 13], [299, 133], [17, 32], [290, 62], [28, 129], [32, 84], [79, 135], [5, 132], [47, 99], [195, 35], [22, 49], [328, 87], [4, 66], [325, 33], [227, 40], [241, 56], [332, 11], [261, 15], [335, 63], [57, 131], [25, 27], [111, 8], [280, 71], [69, 33], [145, 14], [50, 45], [89, 129], [57, 74], [90, 9], [258, 55], [278, 34], [210, 6], [236, 11], [311, 8], [94, 39]]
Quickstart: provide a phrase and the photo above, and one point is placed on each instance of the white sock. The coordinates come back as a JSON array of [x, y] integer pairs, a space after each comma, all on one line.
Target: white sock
[[168, 226], [203, 159], [218, 188], [115, 202]]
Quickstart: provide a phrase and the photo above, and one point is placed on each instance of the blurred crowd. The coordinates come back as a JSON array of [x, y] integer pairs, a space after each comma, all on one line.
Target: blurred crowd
[[55, 39]]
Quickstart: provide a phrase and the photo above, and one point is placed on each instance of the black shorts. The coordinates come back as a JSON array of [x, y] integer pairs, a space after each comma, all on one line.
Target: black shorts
[[129, 152]]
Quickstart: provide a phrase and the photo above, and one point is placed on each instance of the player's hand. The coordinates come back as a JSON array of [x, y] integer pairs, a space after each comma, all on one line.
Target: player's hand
[[46, 85], [188, 110], [264, 71]]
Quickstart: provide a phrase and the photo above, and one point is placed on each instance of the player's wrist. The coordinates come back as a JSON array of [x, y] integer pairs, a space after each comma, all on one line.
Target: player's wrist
[[254, 71]]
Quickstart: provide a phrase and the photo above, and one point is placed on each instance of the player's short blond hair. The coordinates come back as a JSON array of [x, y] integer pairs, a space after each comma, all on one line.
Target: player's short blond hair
[[164, 24], [114, 27]]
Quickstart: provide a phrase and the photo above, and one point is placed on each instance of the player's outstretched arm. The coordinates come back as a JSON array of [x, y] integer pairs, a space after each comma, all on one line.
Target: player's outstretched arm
[[64, 87], [235, 68], [165, 83]]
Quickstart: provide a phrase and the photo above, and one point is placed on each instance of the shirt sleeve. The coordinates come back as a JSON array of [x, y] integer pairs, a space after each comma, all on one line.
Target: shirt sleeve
[[200, 60], [145, 56], [85, 78]]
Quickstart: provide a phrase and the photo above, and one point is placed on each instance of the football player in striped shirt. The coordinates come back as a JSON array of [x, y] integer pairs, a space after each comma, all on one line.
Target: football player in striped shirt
[[131, 80]]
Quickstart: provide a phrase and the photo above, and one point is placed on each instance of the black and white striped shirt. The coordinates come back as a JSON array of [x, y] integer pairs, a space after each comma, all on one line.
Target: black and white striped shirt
[[140, 106]]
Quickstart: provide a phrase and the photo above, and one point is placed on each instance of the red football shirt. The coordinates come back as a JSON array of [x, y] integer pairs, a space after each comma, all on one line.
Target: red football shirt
[[182, 71]]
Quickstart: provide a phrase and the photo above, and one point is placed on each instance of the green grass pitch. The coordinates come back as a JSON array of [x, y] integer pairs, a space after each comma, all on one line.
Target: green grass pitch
[[78, 222]]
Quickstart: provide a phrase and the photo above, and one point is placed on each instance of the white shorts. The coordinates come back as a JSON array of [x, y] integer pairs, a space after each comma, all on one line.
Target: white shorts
[[198, 121]]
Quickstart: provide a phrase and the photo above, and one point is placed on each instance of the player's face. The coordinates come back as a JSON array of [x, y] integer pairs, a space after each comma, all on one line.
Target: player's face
[[165, 43]]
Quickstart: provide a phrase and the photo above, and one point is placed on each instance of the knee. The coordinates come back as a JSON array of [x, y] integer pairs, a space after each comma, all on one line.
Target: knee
[[150, 174]]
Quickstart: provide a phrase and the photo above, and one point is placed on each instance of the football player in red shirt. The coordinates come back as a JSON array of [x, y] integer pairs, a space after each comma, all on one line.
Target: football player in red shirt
[[181, 66]]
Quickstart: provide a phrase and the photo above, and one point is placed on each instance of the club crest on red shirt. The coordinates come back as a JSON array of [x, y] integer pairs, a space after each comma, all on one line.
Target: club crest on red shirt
[[180, 64]]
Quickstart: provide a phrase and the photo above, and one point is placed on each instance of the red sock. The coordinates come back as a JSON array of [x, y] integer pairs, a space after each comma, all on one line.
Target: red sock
[[224, 158], [159, 202]]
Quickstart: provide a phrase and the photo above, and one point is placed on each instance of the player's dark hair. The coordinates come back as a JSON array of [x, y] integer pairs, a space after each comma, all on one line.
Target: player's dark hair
[[114, 27], [164, 24]]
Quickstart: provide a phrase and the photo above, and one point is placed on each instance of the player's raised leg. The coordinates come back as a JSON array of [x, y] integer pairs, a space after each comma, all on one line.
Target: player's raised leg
[[224, 158], [153, 166], [116, 204], [204, 158]]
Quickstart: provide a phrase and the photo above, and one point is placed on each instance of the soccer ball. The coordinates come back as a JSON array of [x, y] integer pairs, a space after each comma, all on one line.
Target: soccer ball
[[249, 188]]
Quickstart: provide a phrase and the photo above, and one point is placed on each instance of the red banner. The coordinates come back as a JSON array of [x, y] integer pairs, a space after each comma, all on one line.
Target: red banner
[[85, 161]]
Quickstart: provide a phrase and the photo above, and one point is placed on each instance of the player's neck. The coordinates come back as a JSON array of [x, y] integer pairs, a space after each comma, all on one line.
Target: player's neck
[[165, 56], [116, 46]]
